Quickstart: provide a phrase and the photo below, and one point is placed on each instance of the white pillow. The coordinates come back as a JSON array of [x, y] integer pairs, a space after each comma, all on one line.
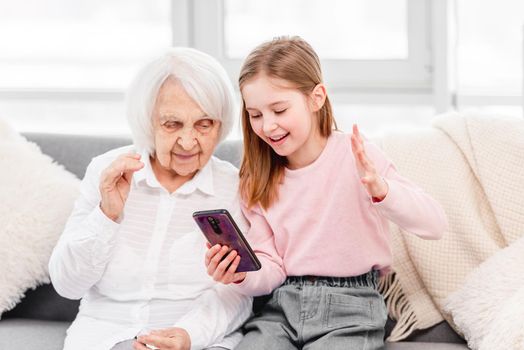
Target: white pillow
[[36, 198], [507, 329], [489, 308]]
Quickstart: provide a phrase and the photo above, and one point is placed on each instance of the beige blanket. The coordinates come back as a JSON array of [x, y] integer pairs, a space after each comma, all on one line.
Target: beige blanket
[[474, 166]]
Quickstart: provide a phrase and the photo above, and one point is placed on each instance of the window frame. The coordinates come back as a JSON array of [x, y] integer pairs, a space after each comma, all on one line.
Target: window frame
[[200, 24], [429, 82]]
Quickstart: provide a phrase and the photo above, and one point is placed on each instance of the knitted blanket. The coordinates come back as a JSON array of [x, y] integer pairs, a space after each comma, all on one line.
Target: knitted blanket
[[474, 167]]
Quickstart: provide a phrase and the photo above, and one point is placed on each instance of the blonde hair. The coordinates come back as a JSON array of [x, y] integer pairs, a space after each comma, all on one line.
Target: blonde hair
[[294, 60]]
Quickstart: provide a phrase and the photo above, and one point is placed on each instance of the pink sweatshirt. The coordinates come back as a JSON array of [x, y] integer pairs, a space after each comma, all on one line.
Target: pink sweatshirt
[[324, 223]]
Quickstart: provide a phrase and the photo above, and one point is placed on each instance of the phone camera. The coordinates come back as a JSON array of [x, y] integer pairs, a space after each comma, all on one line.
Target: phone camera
[[214, 224]]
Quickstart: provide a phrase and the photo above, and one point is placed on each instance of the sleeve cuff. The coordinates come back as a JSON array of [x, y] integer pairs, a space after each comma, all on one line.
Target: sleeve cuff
[[242, 286], [390, 200], [104, 233], [102, 226]]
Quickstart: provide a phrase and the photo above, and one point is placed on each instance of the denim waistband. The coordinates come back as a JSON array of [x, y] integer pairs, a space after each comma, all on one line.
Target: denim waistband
[[368, 279]]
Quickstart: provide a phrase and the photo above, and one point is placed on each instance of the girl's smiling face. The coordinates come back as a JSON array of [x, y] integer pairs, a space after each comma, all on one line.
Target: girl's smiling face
[[284, 118]]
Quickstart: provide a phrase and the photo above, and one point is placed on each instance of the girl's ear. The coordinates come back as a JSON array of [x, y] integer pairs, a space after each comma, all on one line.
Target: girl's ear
[[318, 97]]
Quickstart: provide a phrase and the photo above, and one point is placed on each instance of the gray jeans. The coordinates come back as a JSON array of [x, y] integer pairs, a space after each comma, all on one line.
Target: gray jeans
[[128, 345], [319, 313]]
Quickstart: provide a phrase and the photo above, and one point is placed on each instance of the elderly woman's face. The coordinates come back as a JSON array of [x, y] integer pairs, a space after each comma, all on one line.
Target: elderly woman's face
[[185, 137]]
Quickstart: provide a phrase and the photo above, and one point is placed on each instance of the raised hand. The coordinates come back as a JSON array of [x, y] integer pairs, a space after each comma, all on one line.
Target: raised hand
[[372, 181], [115, 183]]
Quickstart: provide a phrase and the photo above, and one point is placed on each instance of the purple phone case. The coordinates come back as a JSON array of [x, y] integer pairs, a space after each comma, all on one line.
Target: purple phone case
[[230, 235]]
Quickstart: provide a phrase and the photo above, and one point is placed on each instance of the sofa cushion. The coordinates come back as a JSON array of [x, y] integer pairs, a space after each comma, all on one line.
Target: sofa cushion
[[488, 307], [75, 152], [439, 333], [424, 346], [36, 198], [230, 151], [44, 303], [32, 334]]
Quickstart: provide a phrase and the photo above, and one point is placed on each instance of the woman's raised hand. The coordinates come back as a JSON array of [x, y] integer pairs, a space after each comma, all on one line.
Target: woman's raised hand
[[372, 181], [223, 266], [115, 183]]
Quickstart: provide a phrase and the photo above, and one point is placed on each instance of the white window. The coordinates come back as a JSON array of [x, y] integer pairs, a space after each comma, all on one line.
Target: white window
[[489, 49], [247, 23], [81, 44], [377, 44], [489, 54], [64, 65]]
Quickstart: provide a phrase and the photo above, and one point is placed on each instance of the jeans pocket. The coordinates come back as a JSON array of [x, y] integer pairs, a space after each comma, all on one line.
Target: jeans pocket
[[344, 310], [274, 298]]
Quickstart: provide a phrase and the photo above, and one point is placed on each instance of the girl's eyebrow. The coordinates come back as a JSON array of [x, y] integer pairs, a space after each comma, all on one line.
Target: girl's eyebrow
[[273, 104], [277, 103]]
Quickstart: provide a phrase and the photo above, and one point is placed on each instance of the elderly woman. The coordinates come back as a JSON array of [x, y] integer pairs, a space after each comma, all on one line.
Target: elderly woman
[[130, 249]]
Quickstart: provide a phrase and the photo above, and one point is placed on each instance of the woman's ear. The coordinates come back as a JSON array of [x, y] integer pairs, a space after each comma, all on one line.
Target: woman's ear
[[318, 97]]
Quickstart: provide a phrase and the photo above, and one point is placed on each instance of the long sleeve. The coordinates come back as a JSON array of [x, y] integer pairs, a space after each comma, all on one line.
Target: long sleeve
[[220, 311], [84, 248], [326, 224], [260, 237], [406, 204]]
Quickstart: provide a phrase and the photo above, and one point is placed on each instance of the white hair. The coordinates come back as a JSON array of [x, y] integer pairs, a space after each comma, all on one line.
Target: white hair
[[201, 76]]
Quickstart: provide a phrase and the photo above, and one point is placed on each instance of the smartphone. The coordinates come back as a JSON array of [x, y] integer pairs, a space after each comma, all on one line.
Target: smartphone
[[219, 228]]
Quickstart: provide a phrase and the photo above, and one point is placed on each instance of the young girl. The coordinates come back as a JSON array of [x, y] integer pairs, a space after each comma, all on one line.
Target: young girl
[[319, 202]]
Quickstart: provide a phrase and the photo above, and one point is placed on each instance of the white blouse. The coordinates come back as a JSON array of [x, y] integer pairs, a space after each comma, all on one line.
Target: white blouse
[[147, 272]]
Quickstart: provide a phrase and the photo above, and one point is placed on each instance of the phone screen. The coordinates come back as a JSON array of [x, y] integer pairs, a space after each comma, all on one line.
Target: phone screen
[[219, 228]]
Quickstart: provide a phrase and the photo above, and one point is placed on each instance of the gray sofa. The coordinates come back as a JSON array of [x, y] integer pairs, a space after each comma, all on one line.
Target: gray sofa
[[40, 320]]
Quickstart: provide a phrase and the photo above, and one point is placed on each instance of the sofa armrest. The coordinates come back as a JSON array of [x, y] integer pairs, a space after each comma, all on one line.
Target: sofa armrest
[[44, 303]]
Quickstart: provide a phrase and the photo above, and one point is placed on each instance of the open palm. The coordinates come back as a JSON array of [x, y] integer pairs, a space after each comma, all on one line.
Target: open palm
[[372, 181]]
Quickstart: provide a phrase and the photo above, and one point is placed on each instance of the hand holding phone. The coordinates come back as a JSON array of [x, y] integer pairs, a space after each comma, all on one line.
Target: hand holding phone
[[222, 264], [230, 252]]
